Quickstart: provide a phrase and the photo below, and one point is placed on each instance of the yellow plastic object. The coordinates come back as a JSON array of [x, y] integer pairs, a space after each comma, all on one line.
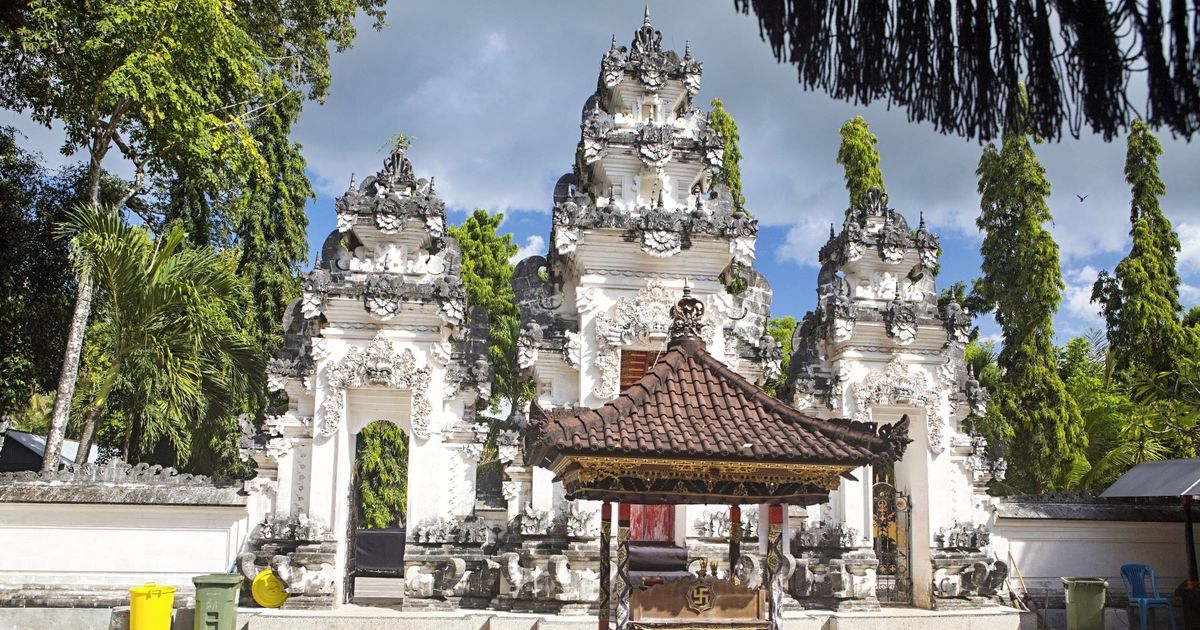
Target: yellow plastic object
[[150, 607], [268, 590]]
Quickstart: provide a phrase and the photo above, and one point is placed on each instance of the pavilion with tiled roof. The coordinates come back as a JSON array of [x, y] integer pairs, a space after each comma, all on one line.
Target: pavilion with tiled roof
[[694, 431]]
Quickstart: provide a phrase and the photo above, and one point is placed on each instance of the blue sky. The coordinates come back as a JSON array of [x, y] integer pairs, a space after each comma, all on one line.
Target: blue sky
[[492, 94]]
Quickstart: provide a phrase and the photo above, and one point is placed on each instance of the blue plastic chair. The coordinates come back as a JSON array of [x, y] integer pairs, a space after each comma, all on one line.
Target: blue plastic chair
[[1136, 576]]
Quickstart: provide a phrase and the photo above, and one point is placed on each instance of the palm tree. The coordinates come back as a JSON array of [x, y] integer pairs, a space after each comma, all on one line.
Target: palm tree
[[173, 357]]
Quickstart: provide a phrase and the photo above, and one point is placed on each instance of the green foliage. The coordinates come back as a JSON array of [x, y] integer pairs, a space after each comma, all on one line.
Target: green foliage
[[781, 329], [1141, 299], [35, 280], [381, 475], [1022, 279], [858, 157], [272, 222], [487, 276], [731, 168], [1140, 417], [167, 358]]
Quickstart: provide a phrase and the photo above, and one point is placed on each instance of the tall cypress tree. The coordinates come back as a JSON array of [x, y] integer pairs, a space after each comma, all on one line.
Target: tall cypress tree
[[1022, 279], [858, 157], [272, 225], [1141, 299], [487, 277], [731, 171]]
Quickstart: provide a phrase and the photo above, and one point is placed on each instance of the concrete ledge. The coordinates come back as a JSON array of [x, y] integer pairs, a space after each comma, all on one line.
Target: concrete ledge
[[366, 618]]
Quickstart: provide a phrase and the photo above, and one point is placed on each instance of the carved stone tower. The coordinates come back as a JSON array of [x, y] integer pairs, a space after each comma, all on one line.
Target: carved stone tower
[[876, 348], [639, 219]]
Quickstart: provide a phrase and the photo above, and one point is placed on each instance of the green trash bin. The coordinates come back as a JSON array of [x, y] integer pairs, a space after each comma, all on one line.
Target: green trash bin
[[216, 601], [1085, 602]]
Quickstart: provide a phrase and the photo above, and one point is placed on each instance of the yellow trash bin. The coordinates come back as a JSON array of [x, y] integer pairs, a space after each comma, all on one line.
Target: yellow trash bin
[[150, 607]]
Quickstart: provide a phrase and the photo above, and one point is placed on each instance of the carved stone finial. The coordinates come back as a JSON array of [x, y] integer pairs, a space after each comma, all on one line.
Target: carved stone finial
[[431, 178], [613, 45], [351, 187], [687, 316], [687, 49], [922, 224], [831, 234], [646, 15], [660, 198]]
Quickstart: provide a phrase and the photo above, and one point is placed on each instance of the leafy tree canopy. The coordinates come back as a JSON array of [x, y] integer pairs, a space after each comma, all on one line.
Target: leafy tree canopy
[[1023, 281], [858, 157], [731, 168]]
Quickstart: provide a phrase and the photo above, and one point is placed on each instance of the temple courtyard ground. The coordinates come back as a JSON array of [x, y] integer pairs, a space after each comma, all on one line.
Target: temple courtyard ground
[[376, 618]]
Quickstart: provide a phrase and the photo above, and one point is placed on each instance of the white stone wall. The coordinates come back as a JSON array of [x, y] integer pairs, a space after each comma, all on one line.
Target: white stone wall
[[121, 546], [1045, 550]]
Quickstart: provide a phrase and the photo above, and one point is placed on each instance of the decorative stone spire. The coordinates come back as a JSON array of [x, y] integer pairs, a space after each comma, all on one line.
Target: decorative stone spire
[[687, 317], [646, 15], [687, 50]]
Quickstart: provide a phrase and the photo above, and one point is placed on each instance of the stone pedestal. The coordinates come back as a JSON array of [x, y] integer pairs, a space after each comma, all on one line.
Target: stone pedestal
[[838, 579], [965, 578]]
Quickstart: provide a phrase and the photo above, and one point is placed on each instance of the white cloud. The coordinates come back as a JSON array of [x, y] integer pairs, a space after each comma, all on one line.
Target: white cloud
[[534, 245], [1189, 246], [804, 240], [1077, 303]]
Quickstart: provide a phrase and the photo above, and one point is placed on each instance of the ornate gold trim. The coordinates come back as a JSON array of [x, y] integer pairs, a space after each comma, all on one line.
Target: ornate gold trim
[[585, 470]]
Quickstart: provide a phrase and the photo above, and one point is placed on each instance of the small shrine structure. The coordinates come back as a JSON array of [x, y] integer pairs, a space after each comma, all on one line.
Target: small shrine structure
[[693, 431]]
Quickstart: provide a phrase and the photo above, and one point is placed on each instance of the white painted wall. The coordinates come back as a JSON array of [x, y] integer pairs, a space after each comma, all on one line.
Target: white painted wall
[[118, 545], [1045, 550]]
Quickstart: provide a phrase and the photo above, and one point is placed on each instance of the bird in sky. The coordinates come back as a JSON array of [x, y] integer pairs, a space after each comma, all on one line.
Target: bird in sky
[[1081, 197]]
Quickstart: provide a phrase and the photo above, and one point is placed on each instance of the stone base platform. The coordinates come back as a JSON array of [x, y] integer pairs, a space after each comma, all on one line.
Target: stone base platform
[[375, 618]]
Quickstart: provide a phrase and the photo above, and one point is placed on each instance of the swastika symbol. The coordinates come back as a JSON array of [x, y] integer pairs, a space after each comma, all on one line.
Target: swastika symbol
[[700, 598]]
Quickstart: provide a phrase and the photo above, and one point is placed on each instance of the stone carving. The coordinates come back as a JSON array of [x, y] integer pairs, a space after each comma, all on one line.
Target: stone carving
[[691, 70], [301, 580], [532, 521], [112, 471], [962, 536], [573, 348], [654, 144], [528, 344], [574, 521], [662, 244], [612, 66], [901, 320], [331, 411], [314, 288], [298, 528], [644, 317], [377, 365], [597, 126], [742, 249], [455, 530], [928, 245], [507, 444], [901, 384], [715, 524], [957, 321]]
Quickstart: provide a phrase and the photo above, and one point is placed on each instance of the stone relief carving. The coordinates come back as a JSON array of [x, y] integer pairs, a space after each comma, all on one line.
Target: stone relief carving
[[902, 384], [661, 243], [575, 521], [112, 471], [957, 321], [573, 349], [654, 144], [528, 345], [379, 364], [901, 320], [641, 318], [301, 580]]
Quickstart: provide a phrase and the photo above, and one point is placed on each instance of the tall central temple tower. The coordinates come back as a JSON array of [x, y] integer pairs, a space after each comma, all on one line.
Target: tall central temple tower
[[641, 217]]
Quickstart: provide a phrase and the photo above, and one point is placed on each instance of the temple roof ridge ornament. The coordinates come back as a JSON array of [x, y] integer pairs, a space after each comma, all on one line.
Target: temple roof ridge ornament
[[687, 316]]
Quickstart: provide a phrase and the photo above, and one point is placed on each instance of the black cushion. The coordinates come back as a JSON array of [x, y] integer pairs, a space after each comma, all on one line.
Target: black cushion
[[657, 557]]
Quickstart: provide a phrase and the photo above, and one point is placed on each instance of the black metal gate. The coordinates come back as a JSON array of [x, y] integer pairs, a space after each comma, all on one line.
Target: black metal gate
[[890, 526]]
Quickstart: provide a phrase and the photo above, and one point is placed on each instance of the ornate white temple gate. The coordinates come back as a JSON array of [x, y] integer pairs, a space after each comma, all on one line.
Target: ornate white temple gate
[[382, 332]]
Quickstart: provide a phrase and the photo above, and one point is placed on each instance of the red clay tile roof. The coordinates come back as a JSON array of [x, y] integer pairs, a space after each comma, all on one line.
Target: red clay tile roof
[[691, 405]]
